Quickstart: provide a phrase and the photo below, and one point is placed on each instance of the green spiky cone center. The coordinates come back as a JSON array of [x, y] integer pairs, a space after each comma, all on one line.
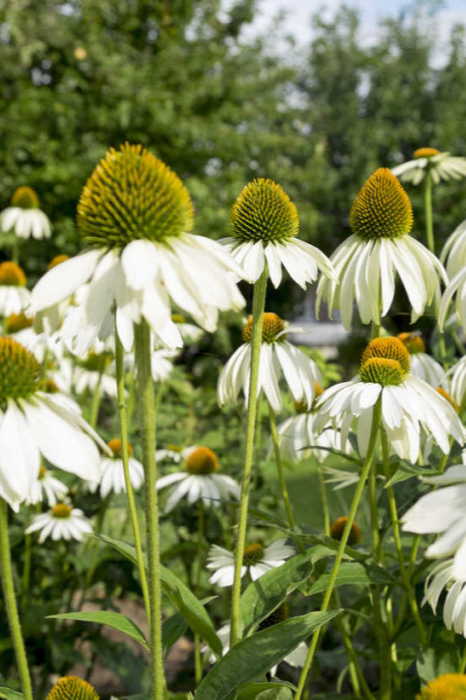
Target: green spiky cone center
[[263, 212], [382, 208], [20, 372], [25, 198], [72, 688], [132, 195], [272, 326], [379, 370]]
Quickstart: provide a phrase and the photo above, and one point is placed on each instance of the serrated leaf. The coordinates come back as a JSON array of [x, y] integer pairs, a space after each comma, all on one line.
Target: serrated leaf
[[353, 573], [111, 619], [406, 471], [181, 596], [256, 655], [263, 596], [9, 694]]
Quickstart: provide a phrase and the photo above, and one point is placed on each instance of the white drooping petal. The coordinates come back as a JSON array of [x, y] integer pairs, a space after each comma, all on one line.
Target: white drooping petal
[[63, 280]]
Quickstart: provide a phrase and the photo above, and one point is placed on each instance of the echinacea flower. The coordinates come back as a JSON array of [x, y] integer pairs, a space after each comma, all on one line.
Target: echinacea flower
[[174, 453], [264, 226], [189, 332], [62, 522], [338, 527], [454, 253], [449, 686], [14, 297], [454, 608], [440, 166], [457, 377], [443, 512], [72, 688], [277, 355], [199, 480], [21, 328], [91, 372], [47, 486], [257, 560], [380, 247], [33, 422], [298, 438], [408, 404], [112, 478], [135, 215], [423, 365], [24, 216]]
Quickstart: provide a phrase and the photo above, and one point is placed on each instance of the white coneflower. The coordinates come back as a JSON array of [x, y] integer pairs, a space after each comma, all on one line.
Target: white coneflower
[[24, 216], [112, 473], [423, 365], [199, 480], [20, 327], [380, 248], [174, 453], [457, 377], [189, 332], [33, 422], [454, 253], [408, 403], [47, 486], [161, 363], [135, 213], [14, 297], [62, 522], [257, 560], [443, 512], [277, 355], [440, 166], [264, 225], [92, 372], [442, 578]]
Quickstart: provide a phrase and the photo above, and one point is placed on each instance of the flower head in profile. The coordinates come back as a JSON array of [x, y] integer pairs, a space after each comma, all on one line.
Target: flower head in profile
[[135, 215], [277, 356], [199, 480], [34, 422], [14, 296], [450, 686], [62, 522], [443, 512], [408, 403], [49, 487], [454, 254], [440, 166], [112, 475], [441, 579], [24, 216], [264, 225], [338, 527], [379, 249], [257, 560], [72, 688], [93, 371], [423, 365]]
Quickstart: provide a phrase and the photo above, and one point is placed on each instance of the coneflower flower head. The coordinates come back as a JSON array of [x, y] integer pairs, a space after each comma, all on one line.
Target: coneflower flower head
[[12, 275], [130, 195], [25, 198], [385, 361], [425, 152], [450, 686], [338, 527], [263, 212], [18, 322], [202, 460], [413, 342], [20, 372], [273, 328], [72, 688]]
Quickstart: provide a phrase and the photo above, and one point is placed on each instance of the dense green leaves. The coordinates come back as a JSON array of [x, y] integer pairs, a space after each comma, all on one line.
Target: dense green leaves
[[265, 691], [9, 694], [110, 619], [353, 573]]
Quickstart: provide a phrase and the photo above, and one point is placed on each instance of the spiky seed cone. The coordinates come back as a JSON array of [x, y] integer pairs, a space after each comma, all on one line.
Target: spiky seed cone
[[281, 614], [202, 461], [20, 372], [115, 446], [12, 275], [72, 688], [425, 152], [263, 212], [450, 686], [389, 348], [413, 342], [253, 553], [131, 195], [382, 208], [25, 198], [18, 322], [272, 325], [338, 527]]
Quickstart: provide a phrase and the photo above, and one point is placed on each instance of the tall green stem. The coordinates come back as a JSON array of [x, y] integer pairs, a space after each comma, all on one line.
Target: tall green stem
[[200, 548], [344, 541], [10, 604], [323, 495], [147, 406], [120, 379], [260, 289]]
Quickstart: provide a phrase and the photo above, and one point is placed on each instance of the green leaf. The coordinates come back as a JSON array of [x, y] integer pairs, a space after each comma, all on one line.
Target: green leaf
[[263, 596], [266, 691], [325, 541], [110, 619], [353, 573], [435, 661], [406, 471], [181, 596], [9, 694], [172, 630], [257, 654]]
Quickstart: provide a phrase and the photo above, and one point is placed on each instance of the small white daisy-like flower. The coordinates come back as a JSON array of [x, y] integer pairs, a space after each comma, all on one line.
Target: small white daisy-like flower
[[136, 215], [423, 365], [199, 480], [257, 560], [91, 372], [264, 224], [24, 216], [34, 422], [277, 355], [174, 453], [48, 487], [454, 253], [112, 478], [62, 522], [21, 328], [442, 578], [443, 512], [366, 264], [440, 166], [408, 403], [189, 332], [14, 297]]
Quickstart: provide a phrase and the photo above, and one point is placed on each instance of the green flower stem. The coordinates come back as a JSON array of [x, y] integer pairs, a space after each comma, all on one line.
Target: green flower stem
[[281, 475], [375, 332], [145, 393], [398, 545], [10, 604], [258, 306], [120, 379], [323, 495], [344, 541], [26, 572], [200, 550]]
